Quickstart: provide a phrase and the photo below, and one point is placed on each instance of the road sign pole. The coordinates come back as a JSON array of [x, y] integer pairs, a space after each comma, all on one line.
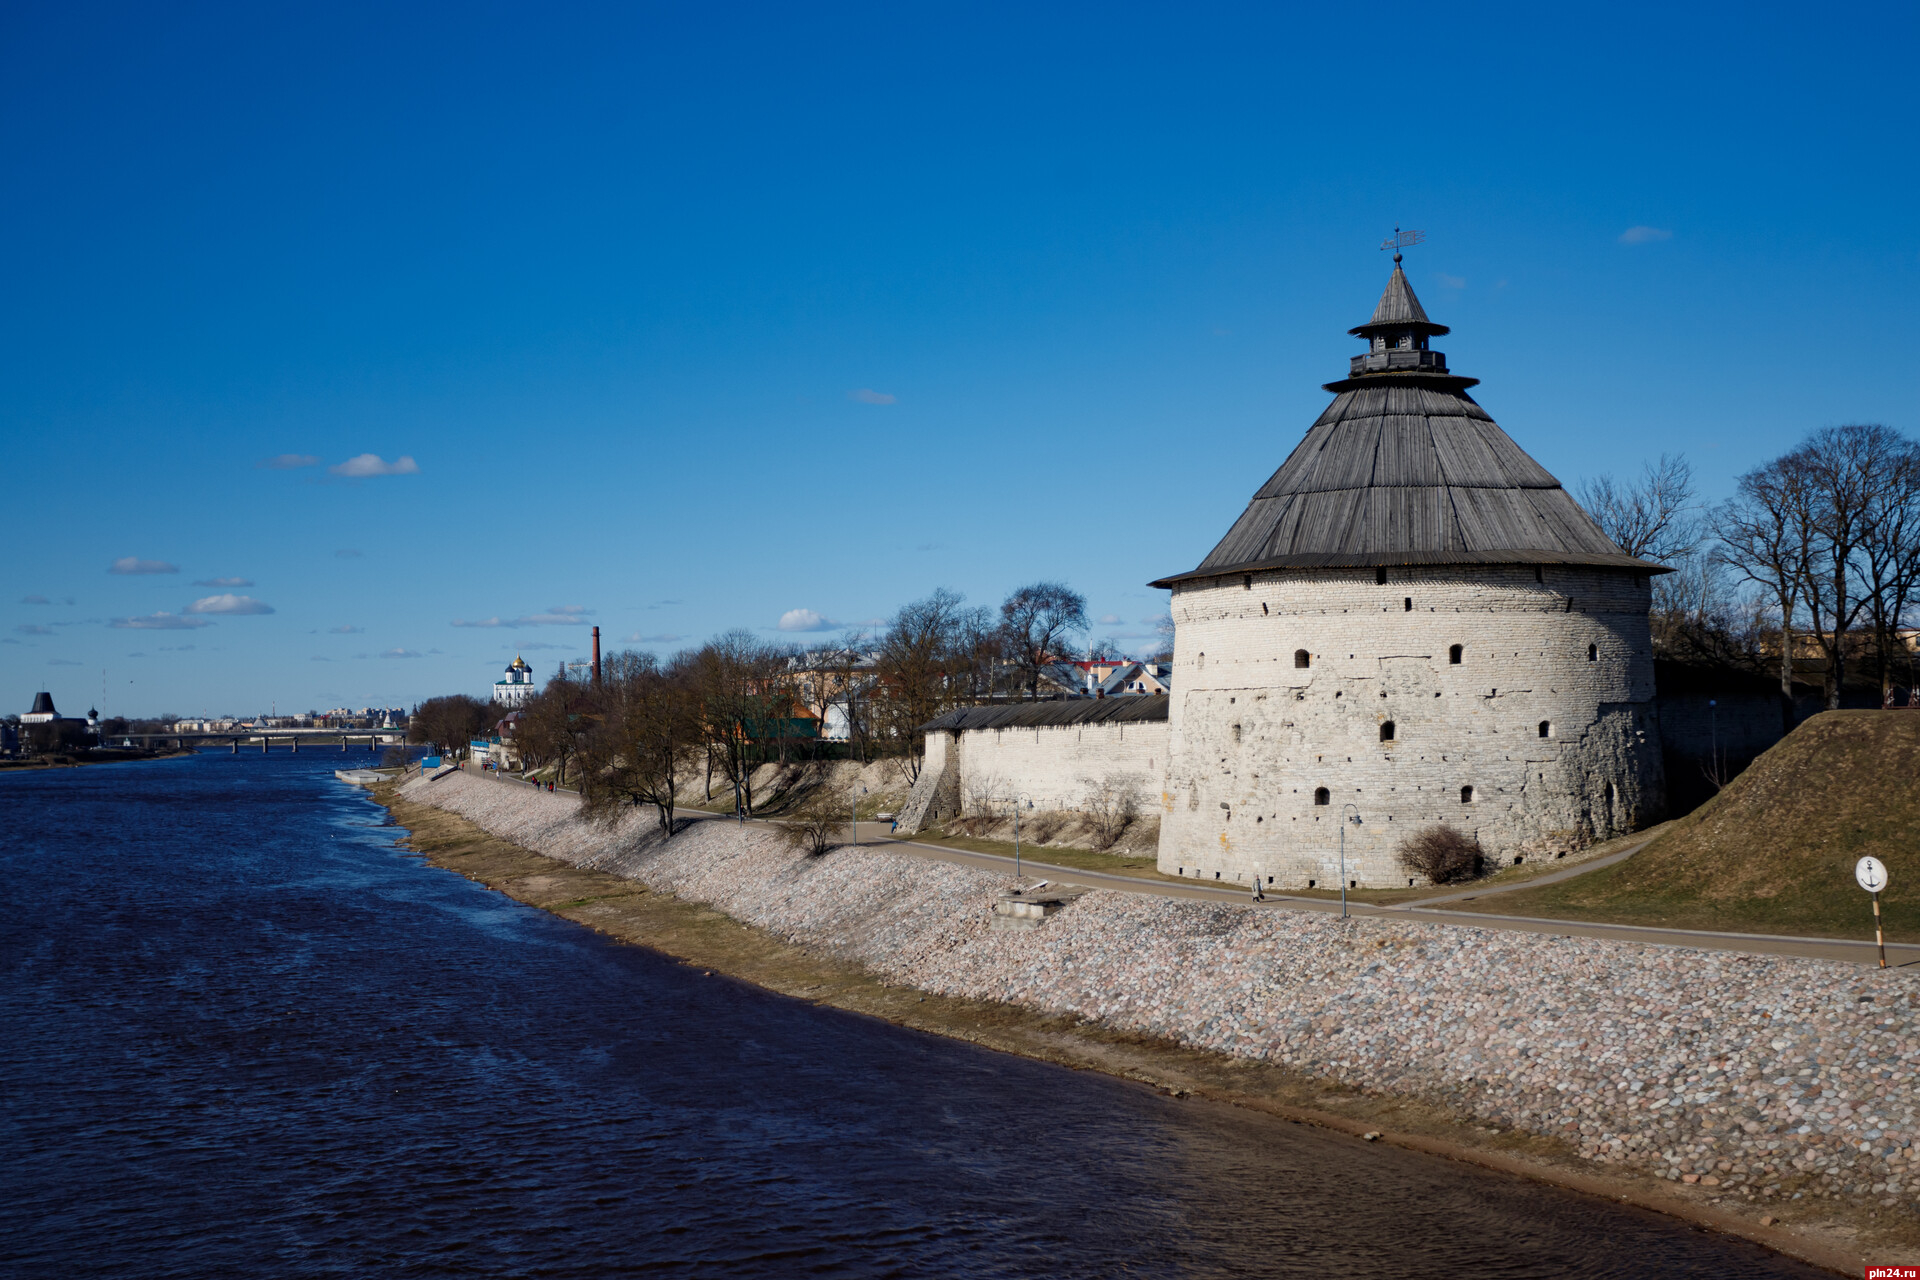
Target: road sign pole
[[1872, 876], [1879, 937]]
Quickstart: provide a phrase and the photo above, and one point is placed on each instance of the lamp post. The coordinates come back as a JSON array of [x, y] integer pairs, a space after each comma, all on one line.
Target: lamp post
[[1015, 800], [1344, 820]]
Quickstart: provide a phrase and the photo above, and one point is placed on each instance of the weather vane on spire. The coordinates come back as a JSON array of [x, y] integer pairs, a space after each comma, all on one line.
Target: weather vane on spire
[[1400, 240]]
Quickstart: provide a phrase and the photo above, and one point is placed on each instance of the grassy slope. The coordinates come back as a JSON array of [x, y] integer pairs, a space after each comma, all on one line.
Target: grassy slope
[[1774, 852]]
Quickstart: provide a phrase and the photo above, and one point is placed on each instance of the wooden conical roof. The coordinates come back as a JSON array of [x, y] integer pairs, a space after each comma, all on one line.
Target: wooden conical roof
[[1405, 468]]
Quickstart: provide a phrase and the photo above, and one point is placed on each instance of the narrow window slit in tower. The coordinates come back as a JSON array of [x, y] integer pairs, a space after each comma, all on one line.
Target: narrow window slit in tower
[[1546, 728], [1247, 582], [1386, 731], [1406, 605], [1466, 795], [1301, 659], [1380, 577], [1453, 655], [1322, 796], [1593, 653]]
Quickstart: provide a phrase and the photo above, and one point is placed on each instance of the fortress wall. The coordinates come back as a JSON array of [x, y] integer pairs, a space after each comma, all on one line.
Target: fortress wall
[[1253, 736], [1057, 767]]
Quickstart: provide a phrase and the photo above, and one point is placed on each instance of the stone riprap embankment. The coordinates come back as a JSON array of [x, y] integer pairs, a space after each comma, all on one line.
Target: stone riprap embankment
[[1761, 1076]]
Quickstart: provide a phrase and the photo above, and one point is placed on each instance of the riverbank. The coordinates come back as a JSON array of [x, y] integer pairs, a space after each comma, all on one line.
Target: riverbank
[[1668, 1078], [71, 761]]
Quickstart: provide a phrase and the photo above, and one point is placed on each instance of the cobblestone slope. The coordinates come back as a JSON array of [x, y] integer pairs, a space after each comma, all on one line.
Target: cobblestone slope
[[1767, 1077]]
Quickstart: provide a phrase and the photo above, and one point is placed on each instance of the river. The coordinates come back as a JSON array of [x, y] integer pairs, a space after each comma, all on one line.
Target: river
[[245, 1034]]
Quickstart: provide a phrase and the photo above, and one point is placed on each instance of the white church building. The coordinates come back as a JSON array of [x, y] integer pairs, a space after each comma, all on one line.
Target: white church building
[[517, 687]]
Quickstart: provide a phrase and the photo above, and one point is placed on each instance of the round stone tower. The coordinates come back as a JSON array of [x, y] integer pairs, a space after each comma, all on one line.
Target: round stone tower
[[1411, 624]]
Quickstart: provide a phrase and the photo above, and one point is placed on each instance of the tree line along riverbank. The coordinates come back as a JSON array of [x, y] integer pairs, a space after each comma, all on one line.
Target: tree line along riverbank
[[1768, 1095]]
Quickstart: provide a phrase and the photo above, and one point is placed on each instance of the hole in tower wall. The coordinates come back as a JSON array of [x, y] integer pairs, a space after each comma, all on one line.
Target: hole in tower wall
[[1546, 728], [1263, 608], [1302, 659], [1466, 795], [1380, 577], [1386, 731], [1593, 653], [1322, 796], [1407, 605], [1538, 576], [1453, 655], [1247, 582]]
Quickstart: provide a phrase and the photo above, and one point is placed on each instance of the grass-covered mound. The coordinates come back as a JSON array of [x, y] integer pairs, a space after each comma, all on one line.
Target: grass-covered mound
[[1774, 851]]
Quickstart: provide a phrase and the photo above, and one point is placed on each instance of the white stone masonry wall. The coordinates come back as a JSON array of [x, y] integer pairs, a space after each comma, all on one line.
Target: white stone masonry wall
[[1393, 729], [1058, 766]]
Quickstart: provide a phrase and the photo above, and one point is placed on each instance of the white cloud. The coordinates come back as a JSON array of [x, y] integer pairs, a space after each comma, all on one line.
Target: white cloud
[[806, 620], [161, 621], [1450, 282], [399, 653], [372, 464], [637, 638], [35, 600], [344, 630], [551, 618], [33, 629], [531, 645], [288, 462], [867, 395], [1110, 619], [228, 603], [223, 582], [133, 564], [1644, 235], [560, 615]]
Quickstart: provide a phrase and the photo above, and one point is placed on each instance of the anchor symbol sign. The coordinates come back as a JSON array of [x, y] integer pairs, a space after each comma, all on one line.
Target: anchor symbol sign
[[1871, 873]]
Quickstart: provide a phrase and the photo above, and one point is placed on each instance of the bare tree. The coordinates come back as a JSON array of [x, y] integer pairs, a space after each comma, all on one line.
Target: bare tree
[[1036, 620], [1890, 551], [918, 657], [743, 689], [1844, 470], [555, 722], [450, 722], [1653, 518], [1163, 638], [648, 728], [1759, 539], [983, 655]]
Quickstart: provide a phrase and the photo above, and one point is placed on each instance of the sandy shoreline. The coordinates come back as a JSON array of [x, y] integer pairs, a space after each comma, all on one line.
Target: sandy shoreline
[[704, 937]]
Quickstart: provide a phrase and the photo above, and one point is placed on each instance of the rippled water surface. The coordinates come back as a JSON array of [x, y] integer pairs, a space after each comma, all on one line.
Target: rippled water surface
[[245, 1035]]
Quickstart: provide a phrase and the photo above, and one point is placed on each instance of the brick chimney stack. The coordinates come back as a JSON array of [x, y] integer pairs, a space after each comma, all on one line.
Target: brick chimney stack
[[596, 657]]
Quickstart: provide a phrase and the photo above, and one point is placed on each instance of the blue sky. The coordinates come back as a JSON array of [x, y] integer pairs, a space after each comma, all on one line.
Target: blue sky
[[685, 318]]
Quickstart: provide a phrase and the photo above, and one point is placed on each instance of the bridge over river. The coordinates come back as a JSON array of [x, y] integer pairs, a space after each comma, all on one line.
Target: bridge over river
[[267, 739]]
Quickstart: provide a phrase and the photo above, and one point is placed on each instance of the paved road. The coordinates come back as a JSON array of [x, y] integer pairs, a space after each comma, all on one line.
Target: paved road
[[879, 835]]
